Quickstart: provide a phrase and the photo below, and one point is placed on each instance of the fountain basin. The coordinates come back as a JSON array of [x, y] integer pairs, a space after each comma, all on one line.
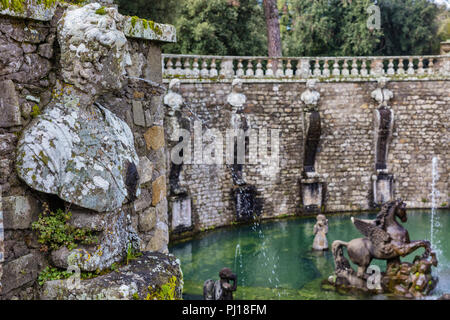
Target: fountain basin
[[285, 254]]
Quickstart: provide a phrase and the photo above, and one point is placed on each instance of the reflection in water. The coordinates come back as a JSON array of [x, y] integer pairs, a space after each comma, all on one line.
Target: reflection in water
[[282, 253]]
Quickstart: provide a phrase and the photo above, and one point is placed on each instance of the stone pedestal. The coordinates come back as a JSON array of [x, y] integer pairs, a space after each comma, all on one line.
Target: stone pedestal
[[181, 214], [383, 188], [246, 203], [312, 194]]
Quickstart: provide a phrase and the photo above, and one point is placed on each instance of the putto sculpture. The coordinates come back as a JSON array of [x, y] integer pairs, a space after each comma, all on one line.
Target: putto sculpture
[[221, 289], [385, 239], [320, 231]]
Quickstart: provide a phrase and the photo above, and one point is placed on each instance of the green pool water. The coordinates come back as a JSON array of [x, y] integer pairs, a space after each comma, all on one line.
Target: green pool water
[[274, 260]]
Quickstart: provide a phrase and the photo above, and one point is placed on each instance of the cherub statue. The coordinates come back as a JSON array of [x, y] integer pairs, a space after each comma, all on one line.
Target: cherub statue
[[221, 289], [320, 232]]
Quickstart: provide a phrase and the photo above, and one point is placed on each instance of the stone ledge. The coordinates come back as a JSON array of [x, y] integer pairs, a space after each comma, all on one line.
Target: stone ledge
[[133, 281], [135, 27], [41, 10]]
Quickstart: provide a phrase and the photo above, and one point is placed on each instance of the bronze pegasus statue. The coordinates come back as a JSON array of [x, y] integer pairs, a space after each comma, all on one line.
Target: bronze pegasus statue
[[385, 239]]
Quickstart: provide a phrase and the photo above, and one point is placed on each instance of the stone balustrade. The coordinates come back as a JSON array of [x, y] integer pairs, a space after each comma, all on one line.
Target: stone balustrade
[[324, 68]]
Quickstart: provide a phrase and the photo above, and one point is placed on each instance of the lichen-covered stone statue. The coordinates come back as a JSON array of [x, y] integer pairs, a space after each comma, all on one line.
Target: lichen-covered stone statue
[[221, 289], [320, 231], [78, 149], [310, 96]]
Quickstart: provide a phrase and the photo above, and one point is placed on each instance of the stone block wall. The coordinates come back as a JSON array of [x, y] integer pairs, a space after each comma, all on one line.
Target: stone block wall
[[29, 72], [345, 159]]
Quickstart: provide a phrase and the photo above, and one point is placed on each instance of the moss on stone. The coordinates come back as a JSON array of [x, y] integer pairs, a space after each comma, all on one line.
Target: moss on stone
[[101, 11]]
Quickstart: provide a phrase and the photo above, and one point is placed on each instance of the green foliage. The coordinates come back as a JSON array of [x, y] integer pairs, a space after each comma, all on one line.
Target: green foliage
[[132, 254], [162, 11], [50, 273], [409, 27], [54, 231], [220, 27], [165, 292], [337, 27]]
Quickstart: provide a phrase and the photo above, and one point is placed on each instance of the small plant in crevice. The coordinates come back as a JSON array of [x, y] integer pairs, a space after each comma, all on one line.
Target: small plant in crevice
[[50, 273], [54, 231], [424, 200], [132, 253]]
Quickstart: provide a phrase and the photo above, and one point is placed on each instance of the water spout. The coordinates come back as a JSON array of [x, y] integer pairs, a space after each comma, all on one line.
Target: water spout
[[435, 224]]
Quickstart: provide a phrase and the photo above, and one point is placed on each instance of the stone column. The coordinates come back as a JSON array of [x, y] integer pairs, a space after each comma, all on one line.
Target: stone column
[[312, 187], [383, 182], [180, 213]]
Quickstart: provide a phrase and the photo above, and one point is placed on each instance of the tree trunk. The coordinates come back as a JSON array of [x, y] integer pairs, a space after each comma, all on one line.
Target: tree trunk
[[273, 28]]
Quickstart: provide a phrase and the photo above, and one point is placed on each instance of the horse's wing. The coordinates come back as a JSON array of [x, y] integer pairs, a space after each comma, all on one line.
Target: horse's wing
[[375, 234]]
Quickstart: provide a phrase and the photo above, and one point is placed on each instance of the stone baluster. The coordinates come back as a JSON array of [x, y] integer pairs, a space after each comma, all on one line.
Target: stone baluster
[[410, 66], [354, 71], [240, 69], [345, 70], [195, 70], [420, 69], [280, 72], [178, 69], [213, 69], [317, 72], [400, 68], [204, 73], [430, 68], [259, 70], [391, 70], [336, 71], [169, 67], [269, 68], [364, 71], [326, 70], [249, 72], [289, 71], [187, 67]]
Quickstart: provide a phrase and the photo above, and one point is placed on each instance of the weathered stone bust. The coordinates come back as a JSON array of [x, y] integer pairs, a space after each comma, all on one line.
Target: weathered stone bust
[[236, 98], [381, 94], [310, 96], [173, 99], [77, 149]]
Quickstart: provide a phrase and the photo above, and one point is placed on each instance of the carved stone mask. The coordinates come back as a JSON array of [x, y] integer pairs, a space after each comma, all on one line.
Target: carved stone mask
[[93, 50]]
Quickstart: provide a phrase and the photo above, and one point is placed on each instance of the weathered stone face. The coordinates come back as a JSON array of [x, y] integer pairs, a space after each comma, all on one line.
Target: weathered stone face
[[93, 51], [78, 153]]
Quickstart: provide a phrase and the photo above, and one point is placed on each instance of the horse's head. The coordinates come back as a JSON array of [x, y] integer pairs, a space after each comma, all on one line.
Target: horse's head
[[400, 210]]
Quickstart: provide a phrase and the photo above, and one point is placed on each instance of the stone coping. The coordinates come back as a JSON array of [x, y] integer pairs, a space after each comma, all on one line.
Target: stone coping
[[320, 80], [44, 10]]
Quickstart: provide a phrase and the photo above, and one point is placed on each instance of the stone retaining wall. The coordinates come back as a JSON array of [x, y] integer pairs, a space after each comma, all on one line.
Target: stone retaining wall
[[345, 159]]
